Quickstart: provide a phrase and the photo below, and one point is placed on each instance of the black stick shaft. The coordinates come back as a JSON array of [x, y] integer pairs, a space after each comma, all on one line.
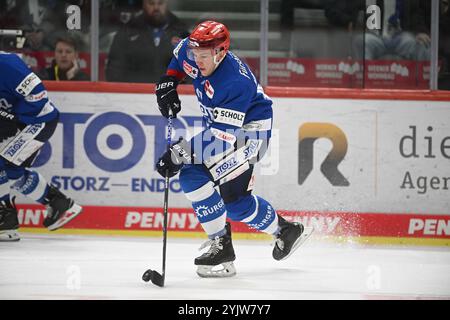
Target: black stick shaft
[[166, 201], [166, 204]]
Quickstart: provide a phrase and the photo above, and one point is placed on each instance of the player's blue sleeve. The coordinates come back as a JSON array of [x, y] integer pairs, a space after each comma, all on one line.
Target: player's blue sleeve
[[175, 70], [33, 105]]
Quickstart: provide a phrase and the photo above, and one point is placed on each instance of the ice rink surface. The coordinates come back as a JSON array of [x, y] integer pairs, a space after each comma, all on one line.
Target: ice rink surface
[[92, 267]]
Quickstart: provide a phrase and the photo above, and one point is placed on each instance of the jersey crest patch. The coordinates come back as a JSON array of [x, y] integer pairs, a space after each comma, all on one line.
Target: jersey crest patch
[[28, 84]]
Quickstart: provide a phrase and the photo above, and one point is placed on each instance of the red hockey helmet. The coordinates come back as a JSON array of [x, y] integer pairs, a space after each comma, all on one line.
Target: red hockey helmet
[[210, 34]]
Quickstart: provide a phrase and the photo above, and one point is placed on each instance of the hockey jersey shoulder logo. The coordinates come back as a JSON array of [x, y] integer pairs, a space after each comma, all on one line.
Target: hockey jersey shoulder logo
[[28, 84], [190, 70], [209, 90]]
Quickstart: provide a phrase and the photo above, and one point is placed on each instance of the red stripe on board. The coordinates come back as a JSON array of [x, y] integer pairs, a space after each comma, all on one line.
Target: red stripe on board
[[289, 92]]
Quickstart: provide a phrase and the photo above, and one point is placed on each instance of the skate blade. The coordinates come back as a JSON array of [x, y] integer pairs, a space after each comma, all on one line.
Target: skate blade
[[301, 240], [228, 270], [66, 218], [9, 236]]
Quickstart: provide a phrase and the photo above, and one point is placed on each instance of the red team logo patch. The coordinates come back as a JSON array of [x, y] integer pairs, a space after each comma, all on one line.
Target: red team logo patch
[[190, 70], [209, 89]]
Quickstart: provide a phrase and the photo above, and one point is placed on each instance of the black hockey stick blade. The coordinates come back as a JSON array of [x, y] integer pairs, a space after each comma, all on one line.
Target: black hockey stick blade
[[154, 276]]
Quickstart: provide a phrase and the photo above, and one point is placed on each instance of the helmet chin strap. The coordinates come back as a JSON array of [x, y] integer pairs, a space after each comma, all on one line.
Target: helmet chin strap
[[216, 63]]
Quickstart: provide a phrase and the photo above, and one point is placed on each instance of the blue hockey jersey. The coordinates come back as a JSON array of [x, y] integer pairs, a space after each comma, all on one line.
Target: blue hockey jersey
[[231, 96], [22, 92]]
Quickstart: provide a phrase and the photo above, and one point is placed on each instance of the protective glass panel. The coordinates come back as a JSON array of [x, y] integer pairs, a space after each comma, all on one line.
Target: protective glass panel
[[51, 36], [137, 38], [354, 43]]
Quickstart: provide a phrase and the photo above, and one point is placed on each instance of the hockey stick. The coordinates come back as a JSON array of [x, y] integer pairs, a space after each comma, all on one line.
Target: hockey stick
[[153, 275]]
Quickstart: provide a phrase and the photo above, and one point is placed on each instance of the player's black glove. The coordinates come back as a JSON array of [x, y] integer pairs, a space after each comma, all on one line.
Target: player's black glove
[[173, 159], [167, 96], [8, 128], [7, 117]]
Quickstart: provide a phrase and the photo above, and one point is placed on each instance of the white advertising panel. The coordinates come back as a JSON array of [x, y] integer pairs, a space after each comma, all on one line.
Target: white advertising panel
[[326, 155]]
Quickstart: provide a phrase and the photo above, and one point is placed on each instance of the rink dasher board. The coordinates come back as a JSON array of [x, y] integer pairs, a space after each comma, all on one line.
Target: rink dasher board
[[374, 228]]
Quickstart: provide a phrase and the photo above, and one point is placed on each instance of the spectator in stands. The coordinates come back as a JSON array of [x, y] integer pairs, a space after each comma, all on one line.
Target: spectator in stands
[[143, 48], [344, 14], [43, 21], [65, 65], [38, 20], [402, 34], [444, 39], [287, 14], [113, 15], [8, 20], [116, 12], [444, 45]]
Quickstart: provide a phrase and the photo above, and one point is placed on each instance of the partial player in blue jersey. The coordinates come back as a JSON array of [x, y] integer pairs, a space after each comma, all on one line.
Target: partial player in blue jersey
[[27, 120], [216, 166]]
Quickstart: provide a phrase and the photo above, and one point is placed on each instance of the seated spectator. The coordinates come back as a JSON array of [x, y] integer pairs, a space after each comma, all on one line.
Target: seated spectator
[[344, 14], [143, 48], [42, 21], [38, 20], [113, 15], [116, 12], [402, 33], [8, 16], [401, 36], [444, 39], [65, 66]]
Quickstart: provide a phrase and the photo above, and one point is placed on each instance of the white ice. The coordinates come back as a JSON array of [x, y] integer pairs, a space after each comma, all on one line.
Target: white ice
[[92, 267]]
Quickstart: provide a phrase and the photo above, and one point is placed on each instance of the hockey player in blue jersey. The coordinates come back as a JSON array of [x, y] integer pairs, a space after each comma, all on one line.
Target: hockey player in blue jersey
[[27, 120], [238, 123]]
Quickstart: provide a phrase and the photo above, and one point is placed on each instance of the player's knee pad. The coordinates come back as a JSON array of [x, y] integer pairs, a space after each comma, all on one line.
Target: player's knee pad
[[261, 215], [32, 185], [211, 213], [207, 203], [192, 177], [242, 208], [209, 207]]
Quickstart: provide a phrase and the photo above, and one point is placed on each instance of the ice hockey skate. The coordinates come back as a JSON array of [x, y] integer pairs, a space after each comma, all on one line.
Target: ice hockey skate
[[60, 209], [9, 222], [292, 235], [217, 262]]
